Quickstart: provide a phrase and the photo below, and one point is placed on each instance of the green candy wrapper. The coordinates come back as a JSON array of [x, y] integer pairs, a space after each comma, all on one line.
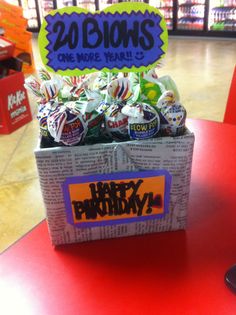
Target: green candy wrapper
[[88, 106]]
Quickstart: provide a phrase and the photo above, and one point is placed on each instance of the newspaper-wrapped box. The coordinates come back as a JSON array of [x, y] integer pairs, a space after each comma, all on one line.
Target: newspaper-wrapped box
[[57, 164]]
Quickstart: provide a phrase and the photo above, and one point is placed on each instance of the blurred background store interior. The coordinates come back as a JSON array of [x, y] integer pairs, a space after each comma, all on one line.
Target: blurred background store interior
[[201, 58]]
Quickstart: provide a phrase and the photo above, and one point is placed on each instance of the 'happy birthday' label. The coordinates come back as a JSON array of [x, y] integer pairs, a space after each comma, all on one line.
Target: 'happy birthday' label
[[116, 198]]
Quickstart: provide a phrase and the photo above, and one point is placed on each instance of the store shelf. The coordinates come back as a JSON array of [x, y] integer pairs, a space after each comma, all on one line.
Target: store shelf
[[89, 5], [31, 13], [166, 8], [45, 6], [190, 15], [64, 3], [183, 17], [222, 16]]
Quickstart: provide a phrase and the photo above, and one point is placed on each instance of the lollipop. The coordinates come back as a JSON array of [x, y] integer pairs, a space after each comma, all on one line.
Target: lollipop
[[172, 115], [49, 89], [102, 79], [150, 91], [67, 125], [167, 98], [32, 85], [74, 80], [116, 122], [143, 121], [93, 116], [43, 112], [43, 74], [169, 84], [120, 89]]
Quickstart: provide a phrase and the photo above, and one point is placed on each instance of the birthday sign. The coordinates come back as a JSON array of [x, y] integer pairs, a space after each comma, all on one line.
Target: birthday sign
[[116, 198], [124, 37]]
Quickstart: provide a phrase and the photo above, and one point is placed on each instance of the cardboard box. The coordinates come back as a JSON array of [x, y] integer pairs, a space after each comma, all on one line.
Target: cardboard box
[[13, 26], [58, 165], [14, 105], [6, 48]]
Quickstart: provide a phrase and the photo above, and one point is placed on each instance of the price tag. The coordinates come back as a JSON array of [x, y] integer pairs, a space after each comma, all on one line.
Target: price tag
[[116, 198], [124, 37]]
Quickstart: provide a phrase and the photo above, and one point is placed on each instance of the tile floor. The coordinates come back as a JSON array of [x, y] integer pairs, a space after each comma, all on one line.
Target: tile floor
[[202, 69]]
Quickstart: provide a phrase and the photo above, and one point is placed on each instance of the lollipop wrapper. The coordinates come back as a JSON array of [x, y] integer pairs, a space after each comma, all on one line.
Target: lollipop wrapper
[[44, 110], [169, 84], [49, 89], [33, 86], [43, 74], [67, 126], [143, 121], [172, 115], [148, 87], [74, 80], [65, 94], [95, 122], [93, 117], [173, 120], [116, 123], [120, 89], [150, 91]]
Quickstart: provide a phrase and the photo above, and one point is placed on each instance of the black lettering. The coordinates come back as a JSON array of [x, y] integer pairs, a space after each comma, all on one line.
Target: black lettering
[[63, 39], [140, 203], [132, 34], [135, 187], [105, 203], [149, 42], [73, 35], [115, 34], [60, 41], [93, 191], [90, 213], [78, 209], [90, 27], [112, 204], [106, 42], [110, 199], [131, 206], [96, 207]]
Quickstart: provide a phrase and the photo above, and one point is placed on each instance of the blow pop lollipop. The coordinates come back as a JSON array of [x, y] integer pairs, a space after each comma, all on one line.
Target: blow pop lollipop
[[143, 121]]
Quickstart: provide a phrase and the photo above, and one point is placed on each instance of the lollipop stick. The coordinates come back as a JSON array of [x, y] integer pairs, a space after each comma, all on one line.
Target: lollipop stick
[[108, 78]]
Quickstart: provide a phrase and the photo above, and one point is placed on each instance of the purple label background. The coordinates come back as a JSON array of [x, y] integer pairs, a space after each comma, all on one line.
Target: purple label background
[[116, 176], [132, 54]]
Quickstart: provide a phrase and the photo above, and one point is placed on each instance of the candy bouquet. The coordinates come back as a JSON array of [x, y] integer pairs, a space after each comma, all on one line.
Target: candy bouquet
[[105, 107]]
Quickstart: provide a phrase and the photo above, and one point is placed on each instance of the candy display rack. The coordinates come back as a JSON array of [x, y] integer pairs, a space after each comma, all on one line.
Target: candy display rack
[[166, 8]]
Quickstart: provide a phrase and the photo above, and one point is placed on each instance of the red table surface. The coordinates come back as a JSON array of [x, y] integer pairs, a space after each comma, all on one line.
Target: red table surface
[[164, 273]]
